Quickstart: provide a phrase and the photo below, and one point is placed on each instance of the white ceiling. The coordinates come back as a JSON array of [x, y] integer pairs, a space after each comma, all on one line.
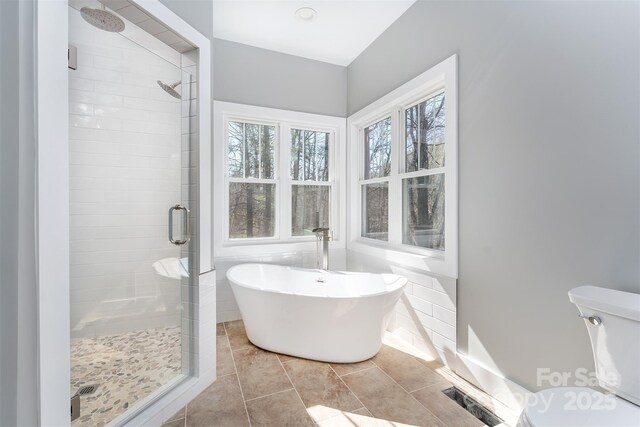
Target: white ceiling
[[340, 31]]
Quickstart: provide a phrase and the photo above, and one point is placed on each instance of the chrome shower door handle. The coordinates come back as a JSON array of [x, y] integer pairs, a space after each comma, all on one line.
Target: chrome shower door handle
[[186, 228]]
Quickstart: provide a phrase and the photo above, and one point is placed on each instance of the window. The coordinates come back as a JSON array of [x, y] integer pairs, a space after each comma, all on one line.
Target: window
[[406, 148], [252, 183], [375, 211], [377, 149], [311, 188], [276, 178], [424, 134], [423, 190], [423, 211], [375, 185]]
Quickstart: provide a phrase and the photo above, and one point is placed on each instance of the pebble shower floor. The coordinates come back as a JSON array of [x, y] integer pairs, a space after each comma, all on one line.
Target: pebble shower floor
[[127, 367]]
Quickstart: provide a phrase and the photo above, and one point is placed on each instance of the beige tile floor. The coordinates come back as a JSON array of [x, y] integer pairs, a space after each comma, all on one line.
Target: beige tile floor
[[259, 388]]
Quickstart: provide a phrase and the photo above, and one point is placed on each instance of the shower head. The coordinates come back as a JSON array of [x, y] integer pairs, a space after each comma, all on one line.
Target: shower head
[[103, 19], [170, 89]]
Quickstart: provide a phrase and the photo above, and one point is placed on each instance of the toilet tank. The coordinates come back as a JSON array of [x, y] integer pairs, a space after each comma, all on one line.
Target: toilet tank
[[613, 321]]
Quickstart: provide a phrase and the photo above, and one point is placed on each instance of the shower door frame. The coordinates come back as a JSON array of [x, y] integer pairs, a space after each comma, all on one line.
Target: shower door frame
[[52, 220]]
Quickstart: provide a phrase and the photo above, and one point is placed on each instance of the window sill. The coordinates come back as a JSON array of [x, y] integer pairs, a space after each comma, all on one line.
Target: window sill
[[267, 241], [405, 249], [269, 247], [434, 262]]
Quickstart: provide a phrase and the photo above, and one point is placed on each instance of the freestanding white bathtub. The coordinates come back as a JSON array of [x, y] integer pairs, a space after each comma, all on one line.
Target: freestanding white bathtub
[[320, 315]]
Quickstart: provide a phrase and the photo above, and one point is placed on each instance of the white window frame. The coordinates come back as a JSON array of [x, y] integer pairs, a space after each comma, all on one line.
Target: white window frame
[[288, 182], [284, 121], [438, 79], [362, 181], [275, 181]]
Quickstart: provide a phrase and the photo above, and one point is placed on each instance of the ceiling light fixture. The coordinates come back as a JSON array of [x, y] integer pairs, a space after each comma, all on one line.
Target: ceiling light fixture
[[306, 13]]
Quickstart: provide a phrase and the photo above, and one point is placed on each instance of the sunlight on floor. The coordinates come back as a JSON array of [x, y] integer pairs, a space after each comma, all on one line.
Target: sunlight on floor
[[503, 411], [399, 386], [329, 417]]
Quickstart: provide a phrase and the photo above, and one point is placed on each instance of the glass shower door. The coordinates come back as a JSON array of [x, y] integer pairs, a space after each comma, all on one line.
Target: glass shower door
[[132, 223]]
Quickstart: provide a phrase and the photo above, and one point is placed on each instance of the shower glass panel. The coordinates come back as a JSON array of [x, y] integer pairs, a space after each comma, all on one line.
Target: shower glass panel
[[132, 218]]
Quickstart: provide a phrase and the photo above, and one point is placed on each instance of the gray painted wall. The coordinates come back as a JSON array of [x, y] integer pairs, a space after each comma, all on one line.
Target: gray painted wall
[[197, 13], [18, 328], [255, 76], [549, 162]]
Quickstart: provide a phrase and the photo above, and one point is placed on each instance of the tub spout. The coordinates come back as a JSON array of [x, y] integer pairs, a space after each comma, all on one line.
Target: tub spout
[[322, 234]]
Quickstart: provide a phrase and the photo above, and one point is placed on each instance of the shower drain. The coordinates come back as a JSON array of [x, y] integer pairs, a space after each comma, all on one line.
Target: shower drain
[[88, 389]]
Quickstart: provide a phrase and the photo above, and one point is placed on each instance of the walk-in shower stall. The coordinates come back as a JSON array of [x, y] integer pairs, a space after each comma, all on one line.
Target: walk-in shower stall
[[133, 169]]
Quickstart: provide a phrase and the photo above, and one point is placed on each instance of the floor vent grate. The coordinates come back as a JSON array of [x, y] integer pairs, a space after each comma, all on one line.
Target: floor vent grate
[[472, 407], [87, 389]]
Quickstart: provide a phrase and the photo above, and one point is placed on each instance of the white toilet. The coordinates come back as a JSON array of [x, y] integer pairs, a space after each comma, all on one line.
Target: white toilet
[[613, 321]]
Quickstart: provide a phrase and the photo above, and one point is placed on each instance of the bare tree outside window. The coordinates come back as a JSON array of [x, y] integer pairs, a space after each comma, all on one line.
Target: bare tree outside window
[[423, 196], [251, 210], [377, 149], [375, 211], [423, 211], [309, 155], [309, 164], [251, 150], [424, 136], [251, 157], [375, 195], [309, 208]]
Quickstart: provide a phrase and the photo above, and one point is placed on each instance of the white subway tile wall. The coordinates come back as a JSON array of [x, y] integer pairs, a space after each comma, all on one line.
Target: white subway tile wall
[[425, 316], [125, 172]]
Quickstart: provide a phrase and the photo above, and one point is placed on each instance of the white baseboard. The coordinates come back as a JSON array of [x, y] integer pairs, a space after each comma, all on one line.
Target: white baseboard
[[513, 396]]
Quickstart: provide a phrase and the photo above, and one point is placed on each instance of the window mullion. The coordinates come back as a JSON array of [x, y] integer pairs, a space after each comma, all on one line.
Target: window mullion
[[334, 211], [418, 141], [284, 176], [304, 158], [244, 150], [395, 185], [260, 152]]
